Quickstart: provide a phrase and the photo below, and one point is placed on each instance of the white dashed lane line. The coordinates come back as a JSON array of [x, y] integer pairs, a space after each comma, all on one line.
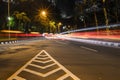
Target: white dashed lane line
[[61, 42], [43, 66], [90, 49]]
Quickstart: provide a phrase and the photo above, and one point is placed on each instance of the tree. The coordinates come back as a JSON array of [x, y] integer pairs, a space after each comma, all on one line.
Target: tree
[[21, 20], [53, 27]]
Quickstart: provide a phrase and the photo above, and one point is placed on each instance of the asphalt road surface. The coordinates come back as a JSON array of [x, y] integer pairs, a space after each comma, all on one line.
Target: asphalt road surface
[[58, 60]]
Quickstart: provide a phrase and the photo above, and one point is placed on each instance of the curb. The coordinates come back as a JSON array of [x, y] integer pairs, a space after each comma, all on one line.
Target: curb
[[105, 43], [97, 42], [8, 42]]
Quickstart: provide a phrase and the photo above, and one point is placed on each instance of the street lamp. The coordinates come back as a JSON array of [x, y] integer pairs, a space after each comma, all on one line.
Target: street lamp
[[9, 17], [43, 13], [58, 27]]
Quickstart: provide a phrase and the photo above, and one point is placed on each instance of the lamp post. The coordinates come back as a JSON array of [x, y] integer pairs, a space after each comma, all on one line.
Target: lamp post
[[45, 17], [9, 18]]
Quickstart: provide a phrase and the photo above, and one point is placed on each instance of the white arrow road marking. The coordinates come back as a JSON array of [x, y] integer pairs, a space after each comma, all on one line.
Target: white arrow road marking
[[44, 57]]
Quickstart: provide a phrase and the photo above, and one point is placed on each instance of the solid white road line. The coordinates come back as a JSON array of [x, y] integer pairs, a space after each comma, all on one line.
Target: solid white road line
[[89, 49]]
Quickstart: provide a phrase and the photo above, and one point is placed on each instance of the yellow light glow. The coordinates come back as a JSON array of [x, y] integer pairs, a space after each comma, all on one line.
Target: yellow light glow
[[44, 13], [10, 31], [103, 1], [59, 23], [35, 33]]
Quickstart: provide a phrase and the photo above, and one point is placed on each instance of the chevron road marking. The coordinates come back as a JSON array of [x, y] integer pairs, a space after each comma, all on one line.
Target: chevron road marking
[[67, 71], [63, 77], [40, 74], [42, 61], [41, 66], [43, 58], [19, 78], [43, 55]]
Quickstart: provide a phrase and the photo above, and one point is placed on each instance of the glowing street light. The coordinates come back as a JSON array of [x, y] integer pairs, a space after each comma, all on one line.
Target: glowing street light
[[58, 27], [44, 14], [10, 18], [59, 23]]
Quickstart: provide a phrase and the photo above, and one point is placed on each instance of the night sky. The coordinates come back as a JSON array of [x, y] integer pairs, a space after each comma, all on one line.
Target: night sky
[[66, 7]]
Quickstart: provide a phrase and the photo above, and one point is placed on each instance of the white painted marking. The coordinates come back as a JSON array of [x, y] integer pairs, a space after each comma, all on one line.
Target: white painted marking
[[17, 47], [6, 42], [9, 42], [22, 68], [61, 66], [61, 42], [45, 67], [42, 61], [48, 73], [18, 78], [43, 55], [51, 72], [89, 49], [2, 42], [43, 58], [63, 77], [40, 74]]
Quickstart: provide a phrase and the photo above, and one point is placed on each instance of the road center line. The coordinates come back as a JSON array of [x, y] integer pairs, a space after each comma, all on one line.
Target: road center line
[[90, 49]]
